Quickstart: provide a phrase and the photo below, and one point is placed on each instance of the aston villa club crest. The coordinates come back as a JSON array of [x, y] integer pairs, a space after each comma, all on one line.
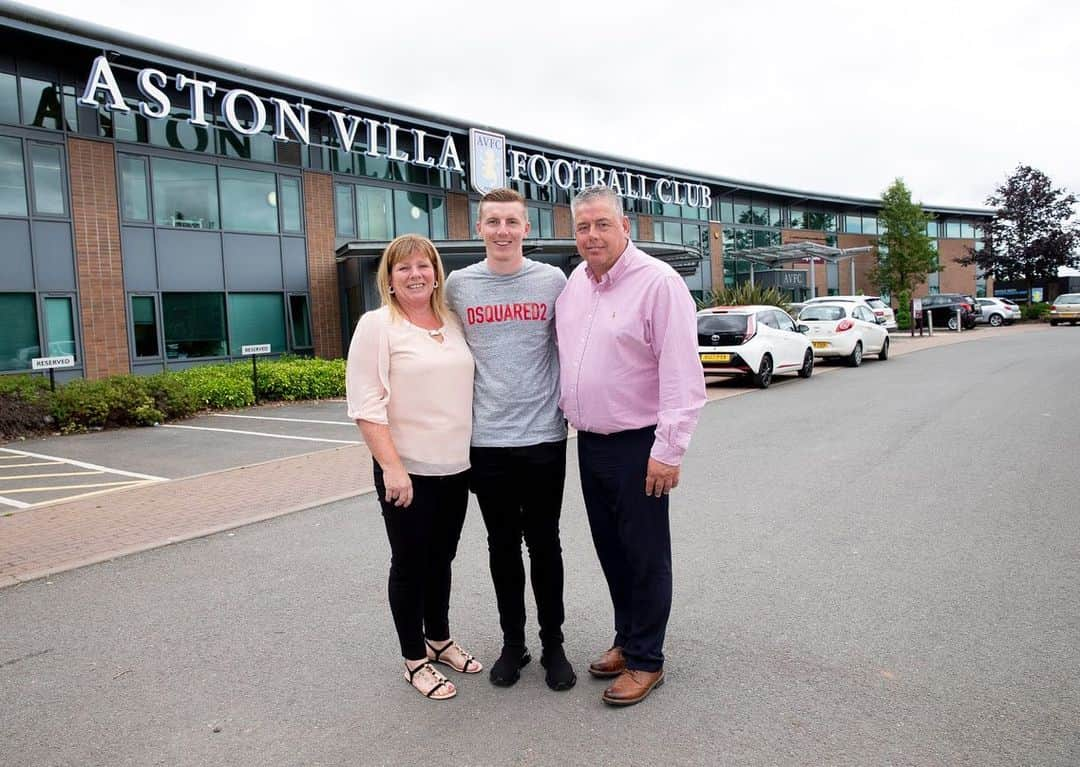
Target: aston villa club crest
[[487, 164]]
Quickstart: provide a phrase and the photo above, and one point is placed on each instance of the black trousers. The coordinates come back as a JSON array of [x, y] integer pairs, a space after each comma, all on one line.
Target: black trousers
[[632, 535], [520, 491], [423, 542]]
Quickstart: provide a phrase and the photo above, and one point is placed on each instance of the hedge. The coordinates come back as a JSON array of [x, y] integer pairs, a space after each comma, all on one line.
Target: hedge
[[27, 406]]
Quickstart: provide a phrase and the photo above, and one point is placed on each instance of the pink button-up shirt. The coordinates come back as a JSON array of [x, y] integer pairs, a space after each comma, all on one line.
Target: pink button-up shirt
[[628, 352]]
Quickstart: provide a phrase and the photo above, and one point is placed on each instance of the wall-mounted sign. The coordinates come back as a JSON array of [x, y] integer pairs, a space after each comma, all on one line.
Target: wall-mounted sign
[[382, 139], [492, 163]]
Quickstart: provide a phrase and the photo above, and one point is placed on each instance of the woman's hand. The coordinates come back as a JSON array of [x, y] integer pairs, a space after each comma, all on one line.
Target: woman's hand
[[399, 489]]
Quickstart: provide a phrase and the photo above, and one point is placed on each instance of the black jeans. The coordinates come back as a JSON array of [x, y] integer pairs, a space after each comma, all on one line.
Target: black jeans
[[632, 536], [520, 491], [423, 542]]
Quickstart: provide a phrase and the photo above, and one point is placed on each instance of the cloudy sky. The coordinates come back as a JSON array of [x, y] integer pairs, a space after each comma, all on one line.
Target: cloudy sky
[[830, 96]]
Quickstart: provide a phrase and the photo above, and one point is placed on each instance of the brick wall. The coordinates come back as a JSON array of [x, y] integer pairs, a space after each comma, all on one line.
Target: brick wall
[[457, 216], [645, 230], [564, 227], [956, 278], [864, 262], [716, 254], [322, 269], [98, 259]]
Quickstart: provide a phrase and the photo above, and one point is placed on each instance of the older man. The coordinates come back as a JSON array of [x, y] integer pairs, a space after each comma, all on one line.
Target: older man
[[632, 385]]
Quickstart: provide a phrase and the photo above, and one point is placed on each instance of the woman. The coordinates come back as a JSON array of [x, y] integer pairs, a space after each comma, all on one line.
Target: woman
[[409, 384]]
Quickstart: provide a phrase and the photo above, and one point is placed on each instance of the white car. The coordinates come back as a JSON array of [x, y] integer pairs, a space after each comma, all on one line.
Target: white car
[[997, 311], [878, 305], [754, 341], [844, 329]]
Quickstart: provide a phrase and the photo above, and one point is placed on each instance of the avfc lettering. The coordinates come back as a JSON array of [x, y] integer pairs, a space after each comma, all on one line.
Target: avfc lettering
[[526, 310]]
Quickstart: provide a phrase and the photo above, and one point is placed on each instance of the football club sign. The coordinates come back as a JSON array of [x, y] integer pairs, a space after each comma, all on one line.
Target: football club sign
[[487, 169]]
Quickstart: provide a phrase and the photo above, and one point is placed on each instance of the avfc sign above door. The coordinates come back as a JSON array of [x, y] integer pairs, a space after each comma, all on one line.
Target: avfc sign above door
[[487, 166]]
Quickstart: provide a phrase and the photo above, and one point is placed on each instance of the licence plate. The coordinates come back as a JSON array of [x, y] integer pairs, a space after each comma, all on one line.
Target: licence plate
[[820, 344], [716, 358]]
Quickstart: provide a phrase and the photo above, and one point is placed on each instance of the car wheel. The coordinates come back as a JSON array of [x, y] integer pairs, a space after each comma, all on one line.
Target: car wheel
[[996, 320], [807, 368], [855, 358], [884, 353], [764, 373], [953, 325]]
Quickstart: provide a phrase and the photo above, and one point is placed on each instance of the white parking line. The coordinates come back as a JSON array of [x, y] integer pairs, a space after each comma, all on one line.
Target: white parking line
[[4, 478], [277, 418], [25, 465], [13, 502], [70, 487], [84, 465], [264, 434]]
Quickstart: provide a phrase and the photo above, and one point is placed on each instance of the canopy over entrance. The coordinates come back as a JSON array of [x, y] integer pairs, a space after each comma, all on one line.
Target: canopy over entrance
[[776, 256], [684, 259]]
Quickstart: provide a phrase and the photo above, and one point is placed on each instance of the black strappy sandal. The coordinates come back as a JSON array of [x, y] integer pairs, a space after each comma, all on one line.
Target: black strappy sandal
[[442, 683], [470, 666]]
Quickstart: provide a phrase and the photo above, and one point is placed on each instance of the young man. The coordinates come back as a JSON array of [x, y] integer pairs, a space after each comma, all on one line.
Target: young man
[[507, 306], [632, 386]]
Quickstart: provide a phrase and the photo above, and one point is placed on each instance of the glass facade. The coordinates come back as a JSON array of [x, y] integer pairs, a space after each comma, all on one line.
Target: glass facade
[[19, 342], [194, 325], [12, 178], [256, 318], [382, 213]]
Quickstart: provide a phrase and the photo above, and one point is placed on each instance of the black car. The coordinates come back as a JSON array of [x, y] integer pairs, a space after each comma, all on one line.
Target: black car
[[942, 308]]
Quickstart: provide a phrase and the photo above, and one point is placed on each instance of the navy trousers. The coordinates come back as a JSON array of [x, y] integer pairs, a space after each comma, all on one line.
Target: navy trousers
[[632, 535]]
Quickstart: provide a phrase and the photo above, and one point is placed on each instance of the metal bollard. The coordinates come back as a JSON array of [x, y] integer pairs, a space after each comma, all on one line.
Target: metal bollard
[[959, 322]]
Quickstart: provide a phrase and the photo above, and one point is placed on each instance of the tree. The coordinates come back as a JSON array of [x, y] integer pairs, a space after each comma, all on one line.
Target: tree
[[1031, 234], [906, 253]]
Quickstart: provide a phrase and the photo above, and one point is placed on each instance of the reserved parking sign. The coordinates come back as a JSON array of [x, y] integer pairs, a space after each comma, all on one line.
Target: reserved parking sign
[[49, 363], [247, 349]]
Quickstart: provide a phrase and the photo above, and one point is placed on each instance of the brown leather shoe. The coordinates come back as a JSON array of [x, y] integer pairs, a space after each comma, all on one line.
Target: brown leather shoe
[[610, 664], [632, 687]]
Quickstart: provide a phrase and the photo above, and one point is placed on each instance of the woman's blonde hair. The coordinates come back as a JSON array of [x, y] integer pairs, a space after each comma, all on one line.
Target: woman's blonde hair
[[398, 250]]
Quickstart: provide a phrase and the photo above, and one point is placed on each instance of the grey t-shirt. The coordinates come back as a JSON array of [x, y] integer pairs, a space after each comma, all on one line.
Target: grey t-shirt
[[509, 322]]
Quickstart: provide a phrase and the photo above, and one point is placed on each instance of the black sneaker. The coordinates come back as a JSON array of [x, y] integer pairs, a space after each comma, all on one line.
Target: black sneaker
[[560, 674], [507, 669]]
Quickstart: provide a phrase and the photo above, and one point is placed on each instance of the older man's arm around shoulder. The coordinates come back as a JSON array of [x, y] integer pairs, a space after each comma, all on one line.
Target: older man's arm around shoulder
[[673, 322]]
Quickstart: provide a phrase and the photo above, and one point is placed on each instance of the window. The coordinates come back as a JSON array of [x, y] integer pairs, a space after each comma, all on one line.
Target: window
[[853, 224], [301, 322], [59, 326], [374, 213], [9, 99], [144, 326], [41, 104], [343, 207], [48, 179], [411, 213], [19, 341], [783, 321], [289, 200], [134, 197], [256, 318], [952, 229], [248, 200], [194, 325], [767, 318], [797, 218], [933, 229], [185, 194], [12, 178]]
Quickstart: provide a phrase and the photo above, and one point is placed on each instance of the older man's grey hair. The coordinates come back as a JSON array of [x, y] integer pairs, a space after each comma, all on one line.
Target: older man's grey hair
[[594, 194]]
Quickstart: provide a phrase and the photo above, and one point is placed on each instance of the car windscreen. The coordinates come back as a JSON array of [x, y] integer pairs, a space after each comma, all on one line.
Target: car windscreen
[[1068, 298], [875, 303], [822, 313], [721, 323]]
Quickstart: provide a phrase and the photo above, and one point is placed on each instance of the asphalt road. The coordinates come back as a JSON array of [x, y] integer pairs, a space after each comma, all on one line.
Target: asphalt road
[[875, 567]]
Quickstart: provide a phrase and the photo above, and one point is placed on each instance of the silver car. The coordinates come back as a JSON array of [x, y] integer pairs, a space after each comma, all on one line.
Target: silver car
[[997, 312]]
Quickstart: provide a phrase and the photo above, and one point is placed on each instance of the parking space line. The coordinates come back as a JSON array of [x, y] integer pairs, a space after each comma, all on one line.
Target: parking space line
[[84, 465], [13, 502], [58, 488], [4, 477], [278, 418], [264, 434], [26, 465]]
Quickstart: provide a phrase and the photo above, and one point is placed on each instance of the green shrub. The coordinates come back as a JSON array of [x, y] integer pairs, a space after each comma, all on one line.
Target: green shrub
[[296, 378], [171, 395], [1036, 311], [219, 386], [744, 295], [25, 405], [80, 405], [903, 312]]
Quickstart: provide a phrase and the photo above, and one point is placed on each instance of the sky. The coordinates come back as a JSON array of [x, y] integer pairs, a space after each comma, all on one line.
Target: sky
[[827, 96]]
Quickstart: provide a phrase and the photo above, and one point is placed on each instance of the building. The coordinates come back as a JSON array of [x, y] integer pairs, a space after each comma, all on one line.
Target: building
[[161, 208]]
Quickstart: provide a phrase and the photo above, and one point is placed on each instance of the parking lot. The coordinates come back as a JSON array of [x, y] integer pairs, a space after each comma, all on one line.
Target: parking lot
[[40, 472]]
